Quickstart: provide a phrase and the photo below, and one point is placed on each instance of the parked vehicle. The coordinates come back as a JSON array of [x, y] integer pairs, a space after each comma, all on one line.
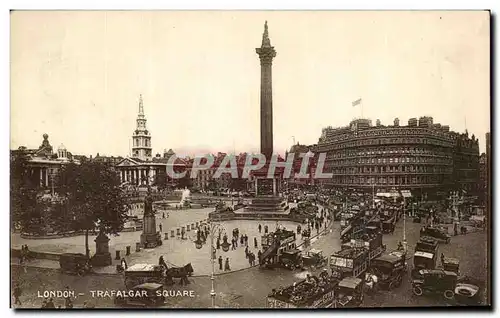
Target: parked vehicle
[[389, 269], [291, 259], [468, 291], [435, 281], [451, 264], [350, 292], [314, 258], [143, 295], [75, 263], [436, 233]]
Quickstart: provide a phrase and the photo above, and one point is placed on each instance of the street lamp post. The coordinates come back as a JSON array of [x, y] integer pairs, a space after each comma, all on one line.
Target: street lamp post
[[213, 229], [212, 276], [405, 244]]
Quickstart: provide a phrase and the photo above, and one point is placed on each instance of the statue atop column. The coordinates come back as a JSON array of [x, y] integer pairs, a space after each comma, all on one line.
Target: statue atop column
[[148, 204]]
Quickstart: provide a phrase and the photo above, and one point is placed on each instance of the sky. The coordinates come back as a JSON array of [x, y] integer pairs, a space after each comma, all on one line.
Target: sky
[[77, 76]]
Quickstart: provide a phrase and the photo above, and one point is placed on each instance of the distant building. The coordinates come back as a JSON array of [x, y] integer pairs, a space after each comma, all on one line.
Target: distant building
[[421, 156], [294, 179], [110, 160], [483, 177], [44, 164], [488, 173]]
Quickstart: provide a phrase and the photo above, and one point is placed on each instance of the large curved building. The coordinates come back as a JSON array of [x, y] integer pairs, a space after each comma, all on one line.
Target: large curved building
[[421, 155]]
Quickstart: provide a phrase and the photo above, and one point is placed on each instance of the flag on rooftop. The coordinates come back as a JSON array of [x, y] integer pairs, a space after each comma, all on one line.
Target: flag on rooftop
[[356, 102]]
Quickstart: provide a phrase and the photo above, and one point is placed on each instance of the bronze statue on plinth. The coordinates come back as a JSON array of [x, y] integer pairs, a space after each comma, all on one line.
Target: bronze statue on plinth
[[150, 238]]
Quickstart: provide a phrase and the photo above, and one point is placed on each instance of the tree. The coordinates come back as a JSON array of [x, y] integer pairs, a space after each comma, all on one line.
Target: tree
[[94, 199], [238, 184], [27, 210], [161, 180], [185, 182]]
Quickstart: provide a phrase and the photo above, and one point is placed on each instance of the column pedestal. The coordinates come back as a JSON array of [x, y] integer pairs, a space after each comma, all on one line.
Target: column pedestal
[[102, 256], [149, 237]]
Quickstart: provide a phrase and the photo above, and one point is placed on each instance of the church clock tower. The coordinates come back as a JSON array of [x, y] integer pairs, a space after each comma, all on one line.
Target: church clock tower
[[141, 147]]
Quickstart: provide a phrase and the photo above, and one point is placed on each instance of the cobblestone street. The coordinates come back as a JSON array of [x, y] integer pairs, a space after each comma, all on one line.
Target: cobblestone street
[[249, 287]]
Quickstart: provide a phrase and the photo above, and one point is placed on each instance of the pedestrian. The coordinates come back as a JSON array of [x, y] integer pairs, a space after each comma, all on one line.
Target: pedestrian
[[246, 252], [220, 262], [266, 229], [259, 254], [218, 243], [17, 293], [161, 229], [233, 245], [246, 240], [163, 214], [260, 228], [255, 242], [226, 266], [124, 264], [242, 240]]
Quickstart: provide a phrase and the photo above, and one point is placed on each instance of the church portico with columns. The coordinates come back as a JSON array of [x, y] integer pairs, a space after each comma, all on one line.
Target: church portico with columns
[[137, 172]]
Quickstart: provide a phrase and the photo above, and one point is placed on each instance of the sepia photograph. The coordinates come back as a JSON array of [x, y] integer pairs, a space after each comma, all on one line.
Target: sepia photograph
[[250, 159]]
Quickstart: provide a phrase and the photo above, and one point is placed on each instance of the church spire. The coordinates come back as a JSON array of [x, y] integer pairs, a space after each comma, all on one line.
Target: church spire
[[141, 106], [266, 42]]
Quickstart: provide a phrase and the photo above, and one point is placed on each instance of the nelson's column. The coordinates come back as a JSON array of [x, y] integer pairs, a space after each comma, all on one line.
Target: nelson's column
[[266, 54], [267, 187]]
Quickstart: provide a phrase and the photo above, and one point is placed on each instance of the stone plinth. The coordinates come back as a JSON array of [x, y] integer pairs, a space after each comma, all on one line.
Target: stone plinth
[[102, 256], [149, 237], [267, 189]]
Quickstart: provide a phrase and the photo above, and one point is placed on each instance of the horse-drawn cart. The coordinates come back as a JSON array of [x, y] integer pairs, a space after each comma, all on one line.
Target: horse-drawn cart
[[143, 273], [149, 273]]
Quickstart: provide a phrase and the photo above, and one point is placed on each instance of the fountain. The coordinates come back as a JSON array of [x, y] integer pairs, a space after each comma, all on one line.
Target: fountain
[[185, 201]]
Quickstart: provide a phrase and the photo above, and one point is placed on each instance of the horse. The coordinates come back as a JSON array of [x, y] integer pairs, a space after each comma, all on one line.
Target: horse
[[371, 281], [178, 272]]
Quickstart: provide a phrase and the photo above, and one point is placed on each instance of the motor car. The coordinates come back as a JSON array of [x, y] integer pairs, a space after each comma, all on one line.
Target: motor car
[[437, 233], [435, 282], [389, 269], [314, 257], [291, 259], [350, 292], [468, 291]]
